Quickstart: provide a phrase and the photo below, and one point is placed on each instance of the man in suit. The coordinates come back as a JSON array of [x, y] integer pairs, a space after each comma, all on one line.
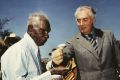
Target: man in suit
[[97, 54]]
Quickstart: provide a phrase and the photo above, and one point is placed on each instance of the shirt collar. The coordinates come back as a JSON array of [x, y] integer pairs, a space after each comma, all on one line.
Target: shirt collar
[[31, 43], [88, 36]]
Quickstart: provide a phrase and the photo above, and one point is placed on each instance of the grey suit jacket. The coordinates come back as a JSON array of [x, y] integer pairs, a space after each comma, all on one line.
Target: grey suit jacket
[[93, 66]]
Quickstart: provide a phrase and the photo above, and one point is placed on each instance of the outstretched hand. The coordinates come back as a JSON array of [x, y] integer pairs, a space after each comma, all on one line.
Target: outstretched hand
[[57, 56], [59, 70]]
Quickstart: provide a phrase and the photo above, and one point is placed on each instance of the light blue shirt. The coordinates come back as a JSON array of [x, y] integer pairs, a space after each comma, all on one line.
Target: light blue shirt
[[20, 61]]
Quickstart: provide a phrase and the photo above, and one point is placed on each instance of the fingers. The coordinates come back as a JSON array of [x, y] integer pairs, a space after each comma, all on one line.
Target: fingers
[[58, 52], [57, 77], [59, 70], [57, 56]]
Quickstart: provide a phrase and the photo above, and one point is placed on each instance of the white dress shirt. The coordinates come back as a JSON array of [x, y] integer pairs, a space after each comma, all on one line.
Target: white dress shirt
[[20, 62]]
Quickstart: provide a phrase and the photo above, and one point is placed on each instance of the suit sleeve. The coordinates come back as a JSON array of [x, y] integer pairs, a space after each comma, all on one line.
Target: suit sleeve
[[116, 51]]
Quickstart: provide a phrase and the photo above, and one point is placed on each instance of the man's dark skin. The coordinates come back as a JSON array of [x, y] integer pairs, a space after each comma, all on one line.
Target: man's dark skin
[[40, 34]]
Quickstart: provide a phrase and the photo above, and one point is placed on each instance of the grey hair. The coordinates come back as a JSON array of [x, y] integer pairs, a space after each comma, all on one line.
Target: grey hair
[[92, 12], [41, 16]]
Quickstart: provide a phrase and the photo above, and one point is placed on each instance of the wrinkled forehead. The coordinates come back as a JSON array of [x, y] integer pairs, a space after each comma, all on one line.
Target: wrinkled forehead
[[83, 14], [39, 23]]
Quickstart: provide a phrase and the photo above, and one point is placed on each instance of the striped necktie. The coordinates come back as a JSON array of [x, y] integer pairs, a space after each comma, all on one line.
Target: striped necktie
[[93, 42]]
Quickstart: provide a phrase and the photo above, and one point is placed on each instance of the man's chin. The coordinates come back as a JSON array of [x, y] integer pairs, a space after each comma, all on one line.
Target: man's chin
[[41, 44]]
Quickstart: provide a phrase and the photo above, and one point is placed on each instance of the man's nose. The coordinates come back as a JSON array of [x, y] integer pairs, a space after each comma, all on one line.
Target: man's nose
[[81, 22], [46, 34]]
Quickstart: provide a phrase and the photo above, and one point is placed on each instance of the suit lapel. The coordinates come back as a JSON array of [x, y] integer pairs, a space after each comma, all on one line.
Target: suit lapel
[[100, 39], [83, 42]]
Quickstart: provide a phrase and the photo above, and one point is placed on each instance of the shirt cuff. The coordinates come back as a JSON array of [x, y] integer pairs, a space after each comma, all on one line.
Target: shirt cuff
[[45, 76]]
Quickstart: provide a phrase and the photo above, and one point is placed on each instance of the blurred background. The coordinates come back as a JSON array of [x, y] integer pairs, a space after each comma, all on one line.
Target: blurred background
[[14, 15]]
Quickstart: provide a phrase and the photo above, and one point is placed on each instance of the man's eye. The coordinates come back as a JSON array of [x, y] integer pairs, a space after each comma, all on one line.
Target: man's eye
[[42, 31], [86, 19], [78, 20]]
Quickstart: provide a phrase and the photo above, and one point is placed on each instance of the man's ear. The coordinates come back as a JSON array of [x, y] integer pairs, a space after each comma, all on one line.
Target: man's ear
[[94, 20], [30, 28]]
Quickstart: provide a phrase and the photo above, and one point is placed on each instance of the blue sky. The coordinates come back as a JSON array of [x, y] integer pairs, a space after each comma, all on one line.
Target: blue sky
[[61, 16]]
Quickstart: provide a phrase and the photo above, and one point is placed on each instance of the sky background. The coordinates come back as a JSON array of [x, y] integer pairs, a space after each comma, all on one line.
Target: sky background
[[61, 16]]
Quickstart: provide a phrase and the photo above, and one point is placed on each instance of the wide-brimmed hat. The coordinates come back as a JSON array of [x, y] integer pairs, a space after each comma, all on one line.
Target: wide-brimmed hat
[[12, 38]]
